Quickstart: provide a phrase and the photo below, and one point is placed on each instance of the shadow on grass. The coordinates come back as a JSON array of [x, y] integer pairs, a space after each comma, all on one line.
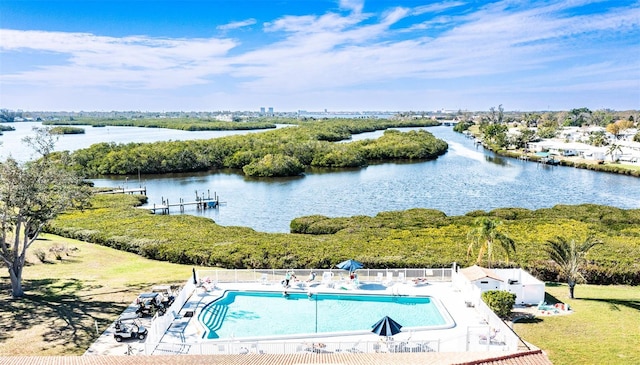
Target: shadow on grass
[[526, 319], [553, 284], [615, 304], [550, 299], [57, 306]]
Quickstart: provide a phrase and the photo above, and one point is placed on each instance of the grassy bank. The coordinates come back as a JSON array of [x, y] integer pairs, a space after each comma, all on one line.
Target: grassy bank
[[65, 298], [411, 238], [604, 328]]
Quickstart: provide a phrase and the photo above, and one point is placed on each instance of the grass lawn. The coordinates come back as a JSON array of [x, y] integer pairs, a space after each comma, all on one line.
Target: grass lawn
[[64, 298], [604, 328]]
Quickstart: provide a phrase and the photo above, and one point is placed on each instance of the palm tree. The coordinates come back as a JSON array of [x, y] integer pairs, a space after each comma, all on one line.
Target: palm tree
[[570, 258], [613, 149], [484, 235]]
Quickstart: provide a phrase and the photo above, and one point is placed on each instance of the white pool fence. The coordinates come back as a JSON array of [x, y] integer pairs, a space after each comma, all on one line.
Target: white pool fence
[[493, 334]]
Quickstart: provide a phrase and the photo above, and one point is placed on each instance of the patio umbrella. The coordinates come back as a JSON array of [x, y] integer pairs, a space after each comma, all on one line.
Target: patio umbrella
[[386, 327], [350, 265]]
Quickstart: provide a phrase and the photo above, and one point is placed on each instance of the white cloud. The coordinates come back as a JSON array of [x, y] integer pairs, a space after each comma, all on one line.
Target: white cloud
[[138, 62], [437, 7], [512, 48], [236, 25], [353, 5]]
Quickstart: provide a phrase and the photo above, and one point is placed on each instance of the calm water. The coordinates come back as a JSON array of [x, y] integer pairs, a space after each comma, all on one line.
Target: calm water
[[256, 314], [466, 178], [12, 141]]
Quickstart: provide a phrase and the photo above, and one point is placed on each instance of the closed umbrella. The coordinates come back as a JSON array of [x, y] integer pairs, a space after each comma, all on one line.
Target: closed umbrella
[[350, 265], [386, 327]]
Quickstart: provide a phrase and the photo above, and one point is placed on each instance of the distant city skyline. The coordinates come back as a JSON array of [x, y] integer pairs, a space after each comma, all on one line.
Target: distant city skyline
[[334, 55]]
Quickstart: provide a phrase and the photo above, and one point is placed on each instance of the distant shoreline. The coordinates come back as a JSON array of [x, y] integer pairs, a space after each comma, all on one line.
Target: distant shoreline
[[573, 161]]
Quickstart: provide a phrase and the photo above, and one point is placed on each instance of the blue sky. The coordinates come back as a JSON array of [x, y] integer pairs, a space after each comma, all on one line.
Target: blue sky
[[342, 55]]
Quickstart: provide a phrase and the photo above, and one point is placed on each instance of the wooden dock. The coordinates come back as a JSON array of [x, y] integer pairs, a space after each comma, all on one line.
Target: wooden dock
[[140, 190], [201, 202]]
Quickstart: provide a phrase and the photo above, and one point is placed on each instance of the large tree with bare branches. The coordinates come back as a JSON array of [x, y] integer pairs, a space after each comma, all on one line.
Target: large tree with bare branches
[[32, 194]]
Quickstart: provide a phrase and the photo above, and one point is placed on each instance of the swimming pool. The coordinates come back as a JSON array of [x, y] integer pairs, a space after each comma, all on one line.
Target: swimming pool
[[241, 314]]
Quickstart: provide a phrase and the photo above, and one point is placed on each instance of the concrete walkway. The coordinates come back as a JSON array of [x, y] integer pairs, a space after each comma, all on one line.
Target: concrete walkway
[[185, 335]]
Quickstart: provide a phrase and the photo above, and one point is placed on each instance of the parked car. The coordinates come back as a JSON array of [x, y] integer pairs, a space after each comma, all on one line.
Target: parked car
[[128, 328]]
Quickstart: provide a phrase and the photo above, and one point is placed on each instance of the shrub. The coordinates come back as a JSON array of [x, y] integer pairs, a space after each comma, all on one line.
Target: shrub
[[57, 251], [40, 254], [501, 302], [411, 238], [274, 165]]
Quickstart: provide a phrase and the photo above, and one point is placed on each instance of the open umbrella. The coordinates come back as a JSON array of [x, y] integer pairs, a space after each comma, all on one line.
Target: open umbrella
[[386, 327], [349, 265]]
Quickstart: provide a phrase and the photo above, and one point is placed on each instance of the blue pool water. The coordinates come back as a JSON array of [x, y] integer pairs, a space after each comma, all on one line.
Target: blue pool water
[[239, 314]]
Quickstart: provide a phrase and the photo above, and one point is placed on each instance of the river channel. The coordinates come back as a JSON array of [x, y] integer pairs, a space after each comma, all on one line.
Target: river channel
[[466, 178]]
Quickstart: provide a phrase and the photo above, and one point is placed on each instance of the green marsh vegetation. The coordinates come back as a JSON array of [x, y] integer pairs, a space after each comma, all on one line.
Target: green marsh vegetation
[[66, 130], [185, 124], [282, 152], [411, 238]]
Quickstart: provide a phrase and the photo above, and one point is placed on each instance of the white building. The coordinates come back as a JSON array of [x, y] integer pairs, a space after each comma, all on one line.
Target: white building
[[528, 289]]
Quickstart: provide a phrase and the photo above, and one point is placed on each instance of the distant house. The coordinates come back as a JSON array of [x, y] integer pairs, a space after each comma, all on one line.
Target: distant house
[[528, 289]]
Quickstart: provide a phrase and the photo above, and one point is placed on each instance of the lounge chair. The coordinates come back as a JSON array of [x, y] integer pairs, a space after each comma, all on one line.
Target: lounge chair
[[264, 279], [354, 348], [419, 281], [544, 307], [327, 279], [379, 277], [491, 340], [401, 277], [389, 278]]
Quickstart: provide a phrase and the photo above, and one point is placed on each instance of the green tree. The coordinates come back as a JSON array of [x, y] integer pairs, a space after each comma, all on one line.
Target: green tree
[[598, 139], [612, 150], [601, 117], [522, 139], [483, 237], [570, 257], [500, 301], [31, 195], [578, 117], [494, 133]]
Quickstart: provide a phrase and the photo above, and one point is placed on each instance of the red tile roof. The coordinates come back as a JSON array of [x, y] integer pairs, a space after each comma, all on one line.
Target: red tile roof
[[535, 357]]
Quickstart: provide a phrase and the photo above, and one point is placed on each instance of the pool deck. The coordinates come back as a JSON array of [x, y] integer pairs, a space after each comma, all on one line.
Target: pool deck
[[185, 335]]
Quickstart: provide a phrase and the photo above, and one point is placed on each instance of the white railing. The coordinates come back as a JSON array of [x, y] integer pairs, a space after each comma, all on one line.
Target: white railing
[[160, 324], [499, 334], [235, 347], [368, 275], [494, 333]]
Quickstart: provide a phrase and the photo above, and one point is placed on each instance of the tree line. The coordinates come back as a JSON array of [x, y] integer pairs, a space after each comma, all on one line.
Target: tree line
[[185, 124], [282, 152]]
